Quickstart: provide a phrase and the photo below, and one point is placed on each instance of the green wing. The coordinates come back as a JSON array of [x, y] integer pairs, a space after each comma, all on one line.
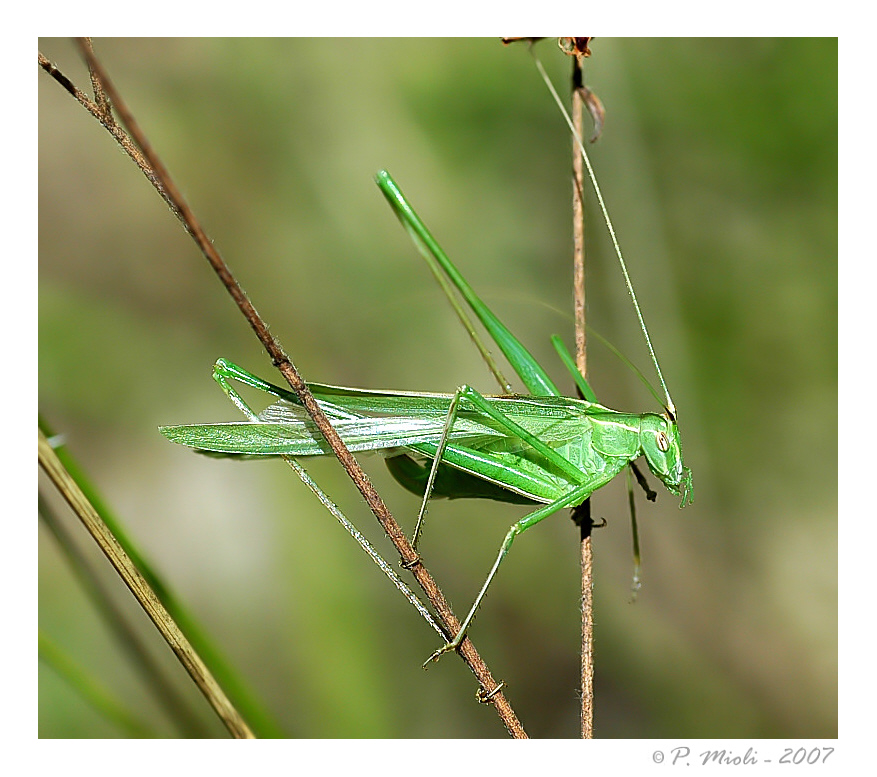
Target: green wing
[[384, 420]]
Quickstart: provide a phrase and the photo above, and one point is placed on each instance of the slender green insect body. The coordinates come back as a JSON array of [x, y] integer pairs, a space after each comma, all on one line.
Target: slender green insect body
[[542, 449], [535, 447]]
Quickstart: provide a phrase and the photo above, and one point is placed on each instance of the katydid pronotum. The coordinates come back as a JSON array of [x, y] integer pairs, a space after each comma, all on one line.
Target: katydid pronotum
[[541, 448]]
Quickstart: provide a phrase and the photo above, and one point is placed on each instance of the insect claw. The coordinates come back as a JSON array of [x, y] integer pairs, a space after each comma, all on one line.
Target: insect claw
[[438, 654], [433, 658], [409, 565]]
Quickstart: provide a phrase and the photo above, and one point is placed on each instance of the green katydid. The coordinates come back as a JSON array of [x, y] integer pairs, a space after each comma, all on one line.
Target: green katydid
[[541, 448]]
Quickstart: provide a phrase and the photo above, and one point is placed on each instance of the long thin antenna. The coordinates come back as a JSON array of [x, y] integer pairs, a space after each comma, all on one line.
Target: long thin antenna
[[671, 408]]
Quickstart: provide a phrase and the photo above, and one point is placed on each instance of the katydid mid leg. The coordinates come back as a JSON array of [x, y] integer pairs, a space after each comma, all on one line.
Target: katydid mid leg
[[479, 403], [463, 391], [571, 498]]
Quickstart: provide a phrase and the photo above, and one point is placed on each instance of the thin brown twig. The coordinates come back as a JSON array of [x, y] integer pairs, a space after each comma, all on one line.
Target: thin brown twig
[[582, 97], [108, 122], [100, 97], [155, 171], [583, 512]]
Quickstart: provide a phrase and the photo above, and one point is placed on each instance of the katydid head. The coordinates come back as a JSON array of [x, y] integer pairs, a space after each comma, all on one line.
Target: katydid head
[[659, 439]]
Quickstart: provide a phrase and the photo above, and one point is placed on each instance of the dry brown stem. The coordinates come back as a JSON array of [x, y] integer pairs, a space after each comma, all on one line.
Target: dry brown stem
[[582, 513]]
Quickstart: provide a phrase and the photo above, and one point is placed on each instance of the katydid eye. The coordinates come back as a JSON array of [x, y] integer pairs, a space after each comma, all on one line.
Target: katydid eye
[[663, 442]]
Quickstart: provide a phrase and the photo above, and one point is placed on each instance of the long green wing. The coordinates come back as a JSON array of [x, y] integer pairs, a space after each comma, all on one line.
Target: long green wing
[[413, 422], [374, 420]]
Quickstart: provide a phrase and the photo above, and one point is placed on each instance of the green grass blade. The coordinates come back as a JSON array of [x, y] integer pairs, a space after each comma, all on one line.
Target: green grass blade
[[243, 698], [153, 674]]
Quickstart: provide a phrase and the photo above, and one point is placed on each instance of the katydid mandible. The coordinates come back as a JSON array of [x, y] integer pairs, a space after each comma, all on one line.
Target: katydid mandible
[[541, 448]]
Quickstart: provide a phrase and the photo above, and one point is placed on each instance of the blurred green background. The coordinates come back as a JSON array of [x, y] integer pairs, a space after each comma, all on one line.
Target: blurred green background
[[719, 164]]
